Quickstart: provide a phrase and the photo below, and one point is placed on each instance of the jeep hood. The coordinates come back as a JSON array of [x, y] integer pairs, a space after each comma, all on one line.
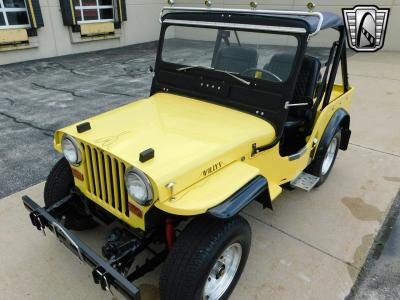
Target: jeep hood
[[191, 138]]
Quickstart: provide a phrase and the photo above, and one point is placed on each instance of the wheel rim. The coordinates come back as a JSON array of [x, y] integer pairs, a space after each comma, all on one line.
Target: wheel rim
[[223, 272], [329, 156]]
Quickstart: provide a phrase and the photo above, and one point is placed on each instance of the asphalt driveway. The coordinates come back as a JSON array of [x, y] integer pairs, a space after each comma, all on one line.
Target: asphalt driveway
[[38, 97]]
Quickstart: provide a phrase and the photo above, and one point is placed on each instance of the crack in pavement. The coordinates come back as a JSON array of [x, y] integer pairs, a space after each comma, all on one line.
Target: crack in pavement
[[9, 100], [114, 94], [72, 70], [129, 75], [45, 131], [73, 93], [302, 241], [375, 150]]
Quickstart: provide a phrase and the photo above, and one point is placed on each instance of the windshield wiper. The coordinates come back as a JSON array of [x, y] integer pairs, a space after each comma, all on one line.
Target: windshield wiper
[[193, 67], [234, 76], [231, 74]]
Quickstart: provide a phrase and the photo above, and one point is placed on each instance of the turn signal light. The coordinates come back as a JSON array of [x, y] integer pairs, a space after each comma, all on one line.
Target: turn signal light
[[78, 175], [135, 210]]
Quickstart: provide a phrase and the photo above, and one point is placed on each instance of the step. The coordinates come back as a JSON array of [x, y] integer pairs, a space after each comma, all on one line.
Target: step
[[305, 181]]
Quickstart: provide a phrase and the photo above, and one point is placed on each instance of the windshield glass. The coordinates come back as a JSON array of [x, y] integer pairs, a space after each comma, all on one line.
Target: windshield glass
[[266, 56]]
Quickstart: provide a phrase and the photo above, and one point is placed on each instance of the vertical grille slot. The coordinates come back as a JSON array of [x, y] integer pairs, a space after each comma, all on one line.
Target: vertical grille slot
[[101, 175], [107, 165], [117, 197], [124, 191], [105, 179], [89, 168], [120, 176], [93, 153]]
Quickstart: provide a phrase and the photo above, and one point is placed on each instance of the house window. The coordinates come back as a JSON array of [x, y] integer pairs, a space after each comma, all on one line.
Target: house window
[[91, 11], [13, 14]]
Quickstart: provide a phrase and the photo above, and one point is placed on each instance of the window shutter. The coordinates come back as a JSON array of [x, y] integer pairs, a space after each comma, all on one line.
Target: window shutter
[[67, 12], [120, 11], [35, 13]]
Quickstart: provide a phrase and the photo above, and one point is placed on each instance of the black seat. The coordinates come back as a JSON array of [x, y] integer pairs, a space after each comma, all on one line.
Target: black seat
[[281, 65], [236, 59], [304, 92]]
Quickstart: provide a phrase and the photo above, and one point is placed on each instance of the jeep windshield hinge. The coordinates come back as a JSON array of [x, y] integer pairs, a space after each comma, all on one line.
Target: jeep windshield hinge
[[256, 150]]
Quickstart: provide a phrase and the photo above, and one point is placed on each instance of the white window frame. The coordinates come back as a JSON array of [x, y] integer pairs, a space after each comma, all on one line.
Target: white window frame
[[4, 10], [97, 7]]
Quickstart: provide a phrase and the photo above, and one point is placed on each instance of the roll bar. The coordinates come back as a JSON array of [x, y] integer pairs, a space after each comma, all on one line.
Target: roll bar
[[249, 11]]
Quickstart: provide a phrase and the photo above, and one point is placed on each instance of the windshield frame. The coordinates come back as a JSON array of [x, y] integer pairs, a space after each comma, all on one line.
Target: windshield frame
[[292, 33], [264, 99]]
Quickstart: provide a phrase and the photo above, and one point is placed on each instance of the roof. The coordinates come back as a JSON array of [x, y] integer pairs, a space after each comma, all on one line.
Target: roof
[[331, 20], [316, 20]]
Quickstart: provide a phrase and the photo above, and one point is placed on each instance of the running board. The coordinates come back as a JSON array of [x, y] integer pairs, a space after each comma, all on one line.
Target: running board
[[305, 181]]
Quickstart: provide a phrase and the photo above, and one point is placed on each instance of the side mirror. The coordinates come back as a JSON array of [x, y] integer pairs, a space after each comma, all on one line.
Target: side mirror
[[151, 69]]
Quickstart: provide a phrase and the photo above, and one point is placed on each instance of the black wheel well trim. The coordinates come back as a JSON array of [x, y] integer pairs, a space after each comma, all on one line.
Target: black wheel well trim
[[340, 119], [255, 189]]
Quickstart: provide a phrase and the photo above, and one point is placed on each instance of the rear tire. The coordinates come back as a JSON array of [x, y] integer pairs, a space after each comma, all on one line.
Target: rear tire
[[58, 185], [206, 260], [323, 164]]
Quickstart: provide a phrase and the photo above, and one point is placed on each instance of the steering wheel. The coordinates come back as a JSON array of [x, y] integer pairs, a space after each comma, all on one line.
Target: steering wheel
[[262, 71]]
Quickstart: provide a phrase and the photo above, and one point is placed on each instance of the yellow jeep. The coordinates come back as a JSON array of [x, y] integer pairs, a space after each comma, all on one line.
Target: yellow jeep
[[241, 107]]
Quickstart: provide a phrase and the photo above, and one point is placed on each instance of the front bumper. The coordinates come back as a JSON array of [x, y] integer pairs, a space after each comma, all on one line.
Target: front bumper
[[103, 273]]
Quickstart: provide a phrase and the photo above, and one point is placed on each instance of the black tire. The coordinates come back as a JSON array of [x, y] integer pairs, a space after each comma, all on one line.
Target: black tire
[[316, 167], [195, 252], [59, 184]]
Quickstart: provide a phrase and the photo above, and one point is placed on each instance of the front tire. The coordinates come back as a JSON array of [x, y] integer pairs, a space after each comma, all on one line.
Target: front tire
[[207, 259], [59, 184], [322, 166]]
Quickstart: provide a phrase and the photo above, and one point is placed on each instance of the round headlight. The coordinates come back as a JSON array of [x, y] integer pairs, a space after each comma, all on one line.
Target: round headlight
[[138, 186], [71, 150]]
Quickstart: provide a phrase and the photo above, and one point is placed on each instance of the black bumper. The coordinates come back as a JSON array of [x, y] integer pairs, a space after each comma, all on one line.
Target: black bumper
[[103, 273]]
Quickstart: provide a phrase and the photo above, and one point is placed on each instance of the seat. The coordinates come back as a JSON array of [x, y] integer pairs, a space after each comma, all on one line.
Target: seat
[[281, 65], [236, 59], [304, 92]]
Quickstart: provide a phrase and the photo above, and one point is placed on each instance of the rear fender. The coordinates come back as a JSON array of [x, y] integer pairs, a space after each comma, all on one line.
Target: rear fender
[[233, 187]]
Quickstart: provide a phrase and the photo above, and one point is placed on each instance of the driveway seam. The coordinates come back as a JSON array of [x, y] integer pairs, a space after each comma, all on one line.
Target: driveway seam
[[375, 150], [375, 77], [303, 242]]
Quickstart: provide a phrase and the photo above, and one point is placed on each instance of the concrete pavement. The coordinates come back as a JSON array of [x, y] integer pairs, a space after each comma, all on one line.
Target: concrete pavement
[[311, 246]]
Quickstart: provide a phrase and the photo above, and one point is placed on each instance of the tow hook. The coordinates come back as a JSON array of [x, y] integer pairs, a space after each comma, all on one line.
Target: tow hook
[[100, 276]]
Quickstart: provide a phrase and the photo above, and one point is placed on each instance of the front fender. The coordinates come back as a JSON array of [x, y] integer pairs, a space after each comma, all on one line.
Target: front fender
[[258, 186], [211, 191]]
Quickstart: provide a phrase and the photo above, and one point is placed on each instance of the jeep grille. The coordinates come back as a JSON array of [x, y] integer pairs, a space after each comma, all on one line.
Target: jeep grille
[[105, 180]]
